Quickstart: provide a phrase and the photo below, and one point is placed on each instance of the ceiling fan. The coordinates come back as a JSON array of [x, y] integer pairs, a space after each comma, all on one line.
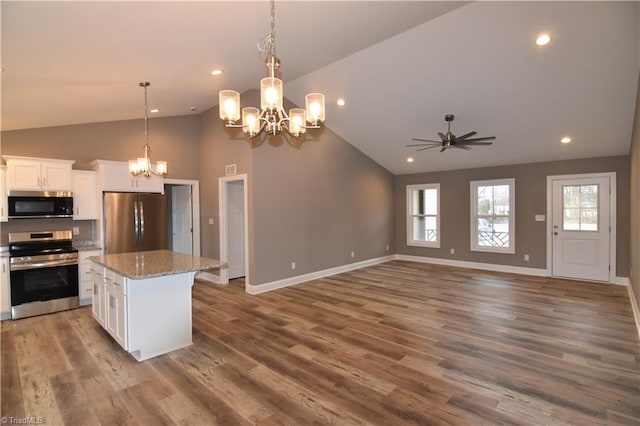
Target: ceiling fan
[[449, 140]]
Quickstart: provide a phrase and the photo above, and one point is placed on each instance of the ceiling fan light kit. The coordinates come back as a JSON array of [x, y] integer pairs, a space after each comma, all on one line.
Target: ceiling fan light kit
[[449, 140]]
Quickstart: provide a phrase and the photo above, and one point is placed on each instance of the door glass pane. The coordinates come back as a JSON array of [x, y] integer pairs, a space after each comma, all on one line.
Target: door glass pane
[[580, 207]]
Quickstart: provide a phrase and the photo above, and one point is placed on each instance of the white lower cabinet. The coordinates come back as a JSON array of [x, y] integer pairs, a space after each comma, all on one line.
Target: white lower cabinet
[[85, 279], [146, 316], [98, 294], [110, 303], [116, 321], [5, 289]]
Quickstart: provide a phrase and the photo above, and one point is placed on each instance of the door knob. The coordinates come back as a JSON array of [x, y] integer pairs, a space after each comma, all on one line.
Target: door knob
[[555, 233]]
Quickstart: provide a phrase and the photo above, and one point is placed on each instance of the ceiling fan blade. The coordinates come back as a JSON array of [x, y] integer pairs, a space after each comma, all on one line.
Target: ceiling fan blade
[[423, 144], [462, 146], [488, 138], [463, 137], [476, 143], [443, 148], [442, 136], [425, 140], [428, 147]]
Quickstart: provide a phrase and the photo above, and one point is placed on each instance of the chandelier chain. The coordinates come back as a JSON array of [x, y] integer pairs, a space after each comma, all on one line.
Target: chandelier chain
[[267, 46], [146, 117]]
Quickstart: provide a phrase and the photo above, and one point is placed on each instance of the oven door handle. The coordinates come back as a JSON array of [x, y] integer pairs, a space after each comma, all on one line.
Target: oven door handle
[[40, 265]]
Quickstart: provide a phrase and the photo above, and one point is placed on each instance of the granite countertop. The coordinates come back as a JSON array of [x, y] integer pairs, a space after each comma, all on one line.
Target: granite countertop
[[87, 247], [154, 263]]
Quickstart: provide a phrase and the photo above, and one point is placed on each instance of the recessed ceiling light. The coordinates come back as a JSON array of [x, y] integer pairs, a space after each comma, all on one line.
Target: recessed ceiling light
[[340, 102], [565, 139], [543, 39], [409, 159], [216, 72], [154, 110]]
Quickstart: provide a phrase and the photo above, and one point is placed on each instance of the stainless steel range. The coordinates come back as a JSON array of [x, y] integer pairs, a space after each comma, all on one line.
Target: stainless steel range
[[44, 273]]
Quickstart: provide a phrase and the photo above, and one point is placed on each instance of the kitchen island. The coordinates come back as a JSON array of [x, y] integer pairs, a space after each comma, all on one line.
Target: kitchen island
[[143, 299]]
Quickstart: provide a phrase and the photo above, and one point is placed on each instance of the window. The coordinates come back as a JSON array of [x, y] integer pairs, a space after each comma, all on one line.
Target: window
[[580, 208], [493, 216], [423, 215]]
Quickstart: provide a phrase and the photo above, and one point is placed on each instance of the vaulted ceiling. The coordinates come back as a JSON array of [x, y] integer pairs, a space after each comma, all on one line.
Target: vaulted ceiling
[[400, 66]]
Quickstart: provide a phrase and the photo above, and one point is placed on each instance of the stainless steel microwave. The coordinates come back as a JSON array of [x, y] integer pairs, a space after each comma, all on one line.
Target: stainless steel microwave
[[39, 204]]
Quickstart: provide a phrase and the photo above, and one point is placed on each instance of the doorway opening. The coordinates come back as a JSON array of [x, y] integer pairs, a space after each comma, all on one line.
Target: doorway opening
[[183, 222], [581, 226], [234, 245]]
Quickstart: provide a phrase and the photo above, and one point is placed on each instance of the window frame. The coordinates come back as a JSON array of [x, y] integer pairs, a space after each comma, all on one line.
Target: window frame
[[473, 235], [410, 216]]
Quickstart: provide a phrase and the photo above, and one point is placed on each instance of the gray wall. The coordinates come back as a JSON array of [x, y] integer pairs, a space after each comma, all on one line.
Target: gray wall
[[219, 147], [174, 139], [531, 199], [315, 204], [311, 203], [635, 201]]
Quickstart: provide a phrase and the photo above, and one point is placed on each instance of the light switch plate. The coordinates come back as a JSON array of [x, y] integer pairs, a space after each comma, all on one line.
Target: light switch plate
[[540, 218]]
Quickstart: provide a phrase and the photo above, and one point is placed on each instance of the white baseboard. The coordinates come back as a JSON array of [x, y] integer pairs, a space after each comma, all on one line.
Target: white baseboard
[[208, 276], [620, 281], [475, 265], [274, 285], [635, 306]]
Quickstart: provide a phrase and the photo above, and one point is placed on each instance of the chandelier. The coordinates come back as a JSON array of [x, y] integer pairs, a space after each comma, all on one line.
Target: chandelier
[[142, 166], [272, 117]]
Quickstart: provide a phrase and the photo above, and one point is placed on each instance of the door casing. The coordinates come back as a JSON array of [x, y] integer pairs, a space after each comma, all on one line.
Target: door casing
[[223, 184]]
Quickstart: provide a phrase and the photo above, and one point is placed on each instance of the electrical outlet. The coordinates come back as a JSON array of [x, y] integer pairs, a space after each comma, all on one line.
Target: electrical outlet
[[76, 230], [526, 257], [387, 247], [293, 265], [453, 251], [353, 254]]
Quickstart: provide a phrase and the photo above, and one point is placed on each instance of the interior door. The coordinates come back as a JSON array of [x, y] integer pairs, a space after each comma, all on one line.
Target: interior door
[[181, 219], [235, 226], [581, 228]]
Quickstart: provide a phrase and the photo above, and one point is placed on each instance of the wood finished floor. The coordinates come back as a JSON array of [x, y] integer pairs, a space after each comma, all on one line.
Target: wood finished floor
[[393, 344]]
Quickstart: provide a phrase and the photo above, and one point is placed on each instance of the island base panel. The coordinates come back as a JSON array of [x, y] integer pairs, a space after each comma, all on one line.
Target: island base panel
[[159, 319]]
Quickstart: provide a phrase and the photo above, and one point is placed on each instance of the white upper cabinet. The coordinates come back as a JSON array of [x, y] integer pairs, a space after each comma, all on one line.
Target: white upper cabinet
[[39, 174], [85, 198], [3, 195], [115, 176]]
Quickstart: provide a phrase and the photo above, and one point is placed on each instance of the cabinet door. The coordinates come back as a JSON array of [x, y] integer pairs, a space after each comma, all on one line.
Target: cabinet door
[[150, 184], [23, 174], [85, 276], [85, 201], [5, 290], [56, 176], [116, 177], [98, 296], [3, 195], [116, 312]]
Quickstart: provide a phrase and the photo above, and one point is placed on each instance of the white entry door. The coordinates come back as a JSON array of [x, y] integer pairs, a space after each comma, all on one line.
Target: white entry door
[[182, 219], [581, 225]]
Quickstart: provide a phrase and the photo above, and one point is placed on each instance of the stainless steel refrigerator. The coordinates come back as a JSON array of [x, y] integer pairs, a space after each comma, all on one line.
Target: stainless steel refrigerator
[[134, 222]]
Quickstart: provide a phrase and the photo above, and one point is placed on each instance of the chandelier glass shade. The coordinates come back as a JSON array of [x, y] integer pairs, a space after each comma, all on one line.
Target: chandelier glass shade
[[271, 117], [142, 165]]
